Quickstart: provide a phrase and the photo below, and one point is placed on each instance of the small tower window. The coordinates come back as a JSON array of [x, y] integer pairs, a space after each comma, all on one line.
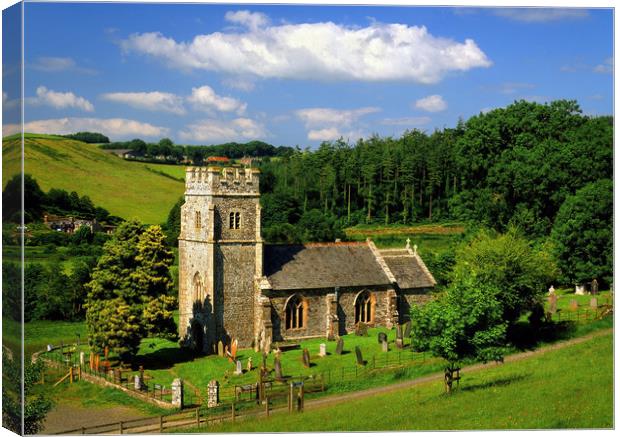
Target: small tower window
[[198, 220], [234, 220], [295, 313]]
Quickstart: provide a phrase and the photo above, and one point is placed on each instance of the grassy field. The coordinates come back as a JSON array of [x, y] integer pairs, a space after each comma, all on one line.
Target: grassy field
[[127, 189], [562, 389], [428, 237]]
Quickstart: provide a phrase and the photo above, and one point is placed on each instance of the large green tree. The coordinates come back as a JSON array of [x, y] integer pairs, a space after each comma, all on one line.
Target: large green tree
[[518, 273], [465, 322], [129, 295], [583, 234]]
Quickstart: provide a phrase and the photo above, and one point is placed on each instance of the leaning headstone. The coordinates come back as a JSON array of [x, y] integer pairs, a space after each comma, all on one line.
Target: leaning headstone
[[249, 366], [137, 382], [381, 337], [358, 356], [594, 303], [361, 329], [306, 358], [220, 348], [384, 346], [82, 358], [322, 350], [238, 368], [580, 289], [399, 332], [407, 329], [213, 394], [573, 305], [177, 393], [339, 346], [233, 349], [278, 368], [553, 303], [594, 287], [399, 343]]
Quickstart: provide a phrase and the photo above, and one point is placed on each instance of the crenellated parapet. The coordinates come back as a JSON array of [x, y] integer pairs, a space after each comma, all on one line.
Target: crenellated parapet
[[221, 181]]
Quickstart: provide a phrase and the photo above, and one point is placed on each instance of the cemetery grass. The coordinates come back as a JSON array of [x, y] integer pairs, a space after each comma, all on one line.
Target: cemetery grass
[[126, 189], [571, 387]]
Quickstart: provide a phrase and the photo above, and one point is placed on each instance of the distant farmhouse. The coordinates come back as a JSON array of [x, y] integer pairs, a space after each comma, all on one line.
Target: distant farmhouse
[[69, 224], [233, 286]]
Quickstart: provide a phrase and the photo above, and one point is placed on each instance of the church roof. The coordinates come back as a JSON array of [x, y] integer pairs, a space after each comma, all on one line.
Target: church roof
[[322, 265], [408, 269], [347, 264]]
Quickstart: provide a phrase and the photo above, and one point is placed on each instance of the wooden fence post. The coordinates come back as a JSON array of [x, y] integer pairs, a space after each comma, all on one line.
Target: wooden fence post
[[198, 416], [83, 430], [232, 411], [120, 427], [161, 423], [267, 405]]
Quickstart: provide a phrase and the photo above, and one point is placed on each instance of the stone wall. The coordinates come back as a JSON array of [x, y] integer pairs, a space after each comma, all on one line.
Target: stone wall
[[247, 209], [409, 297]]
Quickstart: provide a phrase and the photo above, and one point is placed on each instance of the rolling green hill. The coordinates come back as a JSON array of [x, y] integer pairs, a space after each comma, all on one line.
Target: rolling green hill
[[127, 189]]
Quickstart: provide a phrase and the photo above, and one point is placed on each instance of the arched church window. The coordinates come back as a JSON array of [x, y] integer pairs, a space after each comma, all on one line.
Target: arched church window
[[234, 220], [364, 308], [295, 313], [197, 288]]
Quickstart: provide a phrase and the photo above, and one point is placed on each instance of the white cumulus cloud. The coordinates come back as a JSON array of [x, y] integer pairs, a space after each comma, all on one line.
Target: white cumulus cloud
[[327, 51], [434, 103], [205, 99], [56, 64], [212, 130], [606, 67], [151, 101], [111, 127], [60, 100], [252, 20], [541, 15], [313, 117]]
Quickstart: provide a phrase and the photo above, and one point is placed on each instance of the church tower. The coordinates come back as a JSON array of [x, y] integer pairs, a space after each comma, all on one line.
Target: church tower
[[220, 256]]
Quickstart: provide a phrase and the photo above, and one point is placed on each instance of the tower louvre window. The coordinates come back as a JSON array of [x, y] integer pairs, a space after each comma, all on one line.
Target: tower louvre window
[[234, 220], [237, 220], [198, 220]]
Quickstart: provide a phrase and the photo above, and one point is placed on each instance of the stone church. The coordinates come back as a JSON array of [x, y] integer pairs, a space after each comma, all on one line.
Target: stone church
[[234, 286]]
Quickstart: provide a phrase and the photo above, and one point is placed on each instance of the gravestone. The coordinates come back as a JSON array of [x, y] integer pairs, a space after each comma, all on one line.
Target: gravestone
[[384, 346], [220, 348], [339, 346], [399, 343], [213, 394], [322, 350], [594, 303], [306, 358], [49, 347], [381, 337], [278, 368], [361, 329], [238, 368], [233, 349], [551, 290], [580, 289], [408, 329], [553, 303], [594, 287], [573, 305], [137, 382], [177, 393], [264, 362], [82, 358], [358, 356], [249, 366], [399, 332]]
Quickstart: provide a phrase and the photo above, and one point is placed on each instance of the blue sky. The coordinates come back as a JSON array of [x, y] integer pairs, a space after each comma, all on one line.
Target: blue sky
[[298, 75]]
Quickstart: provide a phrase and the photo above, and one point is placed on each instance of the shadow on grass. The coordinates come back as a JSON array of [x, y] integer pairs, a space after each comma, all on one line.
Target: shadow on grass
[[525, 336], [165, 358], [502, 382]]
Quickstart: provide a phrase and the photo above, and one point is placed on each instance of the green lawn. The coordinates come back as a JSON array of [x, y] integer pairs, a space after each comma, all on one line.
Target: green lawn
[[567, 388], [127, 189]]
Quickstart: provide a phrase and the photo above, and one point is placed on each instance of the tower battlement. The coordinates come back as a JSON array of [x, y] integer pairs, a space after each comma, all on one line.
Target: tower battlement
[[221, 180]]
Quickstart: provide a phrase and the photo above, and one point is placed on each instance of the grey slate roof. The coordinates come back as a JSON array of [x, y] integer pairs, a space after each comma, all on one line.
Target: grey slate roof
[[322, 265], [408, 270]]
